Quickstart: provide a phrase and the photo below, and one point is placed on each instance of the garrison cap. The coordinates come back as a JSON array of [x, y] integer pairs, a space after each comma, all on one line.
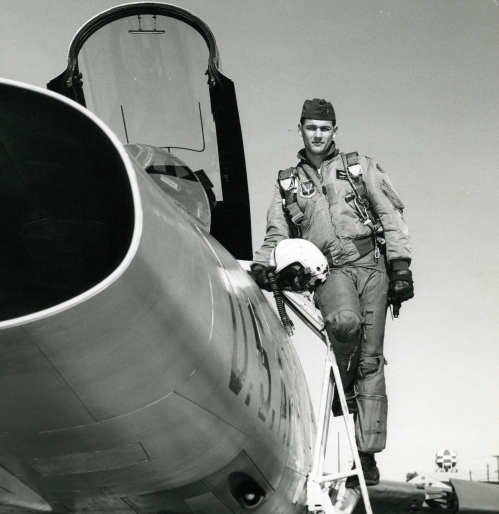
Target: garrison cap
[[318, 110]]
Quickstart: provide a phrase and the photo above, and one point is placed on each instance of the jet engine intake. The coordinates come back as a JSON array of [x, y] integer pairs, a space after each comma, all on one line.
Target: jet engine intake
[[66, 206]]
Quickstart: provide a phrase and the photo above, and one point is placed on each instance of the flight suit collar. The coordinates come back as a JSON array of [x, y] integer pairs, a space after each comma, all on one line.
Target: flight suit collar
[[302, 156]]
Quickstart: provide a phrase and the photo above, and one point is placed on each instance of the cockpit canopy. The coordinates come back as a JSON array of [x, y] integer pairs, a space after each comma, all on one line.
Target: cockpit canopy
[[192, 190], [150, 72]]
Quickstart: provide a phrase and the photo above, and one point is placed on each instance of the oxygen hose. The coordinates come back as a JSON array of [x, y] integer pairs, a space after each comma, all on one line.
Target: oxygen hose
[[279, 300], [396, 308]]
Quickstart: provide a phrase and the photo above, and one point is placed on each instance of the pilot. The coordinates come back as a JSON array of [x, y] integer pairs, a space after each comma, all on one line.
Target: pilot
[[346, 205]]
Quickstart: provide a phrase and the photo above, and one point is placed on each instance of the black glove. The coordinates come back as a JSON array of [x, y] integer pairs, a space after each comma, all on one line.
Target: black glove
[[259, 275], [401, 287], [295, 278]]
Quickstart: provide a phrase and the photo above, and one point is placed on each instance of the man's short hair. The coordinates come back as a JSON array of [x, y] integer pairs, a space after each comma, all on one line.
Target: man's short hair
[[303, 120]]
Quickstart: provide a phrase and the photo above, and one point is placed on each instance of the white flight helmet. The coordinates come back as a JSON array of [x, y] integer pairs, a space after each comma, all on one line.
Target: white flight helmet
[[299, 258]]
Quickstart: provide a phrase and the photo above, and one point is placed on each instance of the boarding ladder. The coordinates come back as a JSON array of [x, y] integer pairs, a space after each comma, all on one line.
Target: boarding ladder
[[318, 499]]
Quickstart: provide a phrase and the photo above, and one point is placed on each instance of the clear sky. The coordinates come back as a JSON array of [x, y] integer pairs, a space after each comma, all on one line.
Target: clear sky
[[415, 86]]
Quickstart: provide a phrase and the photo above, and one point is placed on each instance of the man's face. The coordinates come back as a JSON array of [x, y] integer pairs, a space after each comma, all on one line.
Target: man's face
[[317, 136]]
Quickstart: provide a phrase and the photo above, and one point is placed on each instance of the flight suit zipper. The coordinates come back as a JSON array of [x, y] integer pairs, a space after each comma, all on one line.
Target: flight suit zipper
[[319, 174]]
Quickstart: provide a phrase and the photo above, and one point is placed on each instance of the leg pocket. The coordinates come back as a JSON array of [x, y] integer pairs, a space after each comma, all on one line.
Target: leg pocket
[[370, 427], [372, 404], [369, 320]]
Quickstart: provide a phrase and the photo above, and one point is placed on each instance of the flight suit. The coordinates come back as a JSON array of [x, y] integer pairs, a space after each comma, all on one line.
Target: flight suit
[[353, 299]]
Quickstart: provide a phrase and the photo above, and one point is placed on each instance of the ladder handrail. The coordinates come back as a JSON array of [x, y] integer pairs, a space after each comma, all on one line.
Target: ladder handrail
[[294, 302], [330, 378]]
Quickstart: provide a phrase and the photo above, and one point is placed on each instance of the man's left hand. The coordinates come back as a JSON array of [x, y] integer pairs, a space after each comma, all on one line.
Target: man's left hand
[[401, 287]]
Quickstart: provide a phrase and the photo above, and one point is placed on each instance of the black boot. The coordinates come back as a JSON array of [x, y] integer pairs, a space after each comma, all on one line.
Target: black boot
[[351, 404], [351, 398], [371, 471]]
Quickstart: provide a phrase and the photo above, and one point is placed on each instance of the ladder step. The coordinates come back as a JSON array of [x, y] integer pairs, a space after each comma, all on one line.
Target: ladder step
[[337, 476]]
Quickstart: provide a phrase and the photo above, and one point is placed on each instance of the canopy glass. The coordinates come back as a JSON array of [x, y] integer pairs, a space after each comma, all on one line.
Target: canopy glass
[[146, 77]]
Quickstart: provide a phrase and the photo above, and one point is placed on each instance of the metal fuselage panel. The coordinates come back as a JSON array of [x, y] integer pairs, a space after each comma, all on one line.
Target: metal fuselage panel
[[148, 393]]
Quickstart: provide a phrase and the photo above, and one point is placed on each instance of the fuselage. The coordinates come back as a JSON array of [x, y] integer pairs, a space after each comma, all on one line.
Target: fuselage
[[162, 382]]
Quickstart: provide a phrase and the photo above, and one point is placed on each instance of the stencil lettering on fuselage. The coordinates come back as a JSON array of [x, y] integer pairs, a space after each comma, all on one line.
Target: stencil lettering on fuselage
[[284, 414], [250, 327], [241, 304], [264, 407], [239, 364]]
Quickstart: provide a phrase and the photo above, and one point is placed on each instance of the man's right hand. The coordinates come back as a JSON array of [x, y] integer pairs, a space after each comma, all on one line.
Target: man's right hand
[[258, 273]]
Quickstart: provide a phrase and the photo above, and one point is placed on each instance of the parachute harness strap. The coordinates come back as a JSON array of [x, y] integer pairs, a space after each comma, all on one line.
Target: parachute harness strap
[[360, 199], [286, 182], [279, 300]]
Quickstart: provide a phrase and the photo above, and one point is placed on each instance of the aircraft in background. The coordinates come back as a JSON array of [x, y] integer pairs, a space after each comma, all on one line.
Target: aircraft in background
[[142, 369]]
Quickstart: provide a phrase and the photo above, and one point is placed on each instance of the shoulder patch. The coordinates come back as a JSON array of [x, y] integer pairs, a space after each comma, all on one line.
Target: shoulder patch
[[380, 169]]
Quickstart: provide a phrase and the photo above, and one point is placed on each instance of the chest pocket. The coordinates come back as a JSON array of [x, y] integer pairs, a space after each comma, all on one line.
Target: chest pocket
[[332, 195]]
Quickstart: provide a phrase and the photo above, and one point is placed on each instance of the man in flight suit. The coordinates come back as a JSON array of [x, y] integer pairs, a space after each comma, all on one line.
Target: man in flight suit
[[347, 206]]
